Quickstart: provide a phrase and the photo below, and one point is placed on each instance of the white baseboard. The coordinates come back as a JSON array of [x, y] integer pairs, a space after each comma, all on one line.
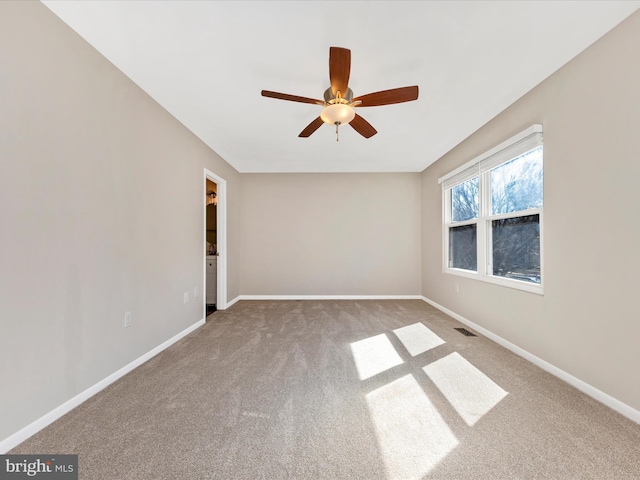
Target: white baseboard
[[323, 297], [34, 427], [611, 402], [232, 302], [327, 297]]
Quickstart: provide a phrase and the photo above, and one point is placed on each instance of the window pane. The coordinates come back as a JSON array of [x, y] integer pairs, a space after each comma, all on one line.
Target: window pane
[[463, 252], [517, 184], [464, 201], [516, 248]]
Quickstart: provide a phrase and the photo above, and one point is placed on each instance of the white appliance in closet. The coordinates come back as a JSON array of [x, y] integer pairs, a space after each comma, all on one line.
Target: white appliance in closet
[[211, 266]]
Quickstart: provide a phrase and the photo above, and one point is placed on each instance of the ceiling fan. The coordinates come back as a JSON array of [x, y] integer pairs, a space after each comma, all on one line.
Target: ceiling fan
[[338, 99]]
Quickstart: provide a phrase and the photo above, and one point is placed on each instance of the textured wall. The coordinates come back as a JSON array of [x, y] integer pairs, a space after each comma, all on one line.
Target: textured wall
[[587, 322], [330, 234], [101, 207]]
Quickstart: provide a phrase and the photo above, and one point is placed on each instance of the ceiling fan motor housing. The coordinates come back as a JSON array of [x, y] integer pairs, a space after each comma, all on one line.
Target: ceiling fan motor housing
[[344, 98]]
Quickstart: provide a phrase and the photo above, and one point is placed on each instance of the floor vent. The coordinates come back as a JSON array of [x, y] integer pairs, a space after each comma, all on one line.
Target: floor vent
[[465, 332]]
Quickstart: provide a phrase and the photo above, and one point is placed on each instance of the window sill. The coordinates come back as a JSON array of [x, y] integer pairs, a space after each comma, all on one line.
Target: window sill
[[503, 282]]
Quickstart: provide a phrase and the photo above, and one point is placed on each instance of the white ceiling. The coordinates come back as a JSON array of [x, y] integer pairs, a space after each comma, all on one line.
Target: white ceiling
[[207, 61]]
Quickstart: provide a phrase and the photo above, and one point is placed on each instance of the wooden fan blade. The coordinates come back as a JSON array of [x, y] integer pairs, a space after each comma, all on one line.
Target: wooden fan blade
[[339, 69], [312, 127], [388, 97], [363, 127], [291, 98]]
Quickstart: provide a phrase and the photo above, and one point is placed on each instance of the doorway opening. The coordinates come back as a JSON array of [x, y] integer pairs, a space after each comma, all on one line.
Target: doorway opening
[[211, 264], [215, 243]]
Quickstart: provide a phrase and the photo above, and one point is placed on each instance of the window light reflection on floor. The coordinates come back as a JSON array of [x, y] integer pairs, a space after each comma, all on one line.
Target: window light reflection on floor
[[374, 355], [469, 391], [417, 338], [412, 435]]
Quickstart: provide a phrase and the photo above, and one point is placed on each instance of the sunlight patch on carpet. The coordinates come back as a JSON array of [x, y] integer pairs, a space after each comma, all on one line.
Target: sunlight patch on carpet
[[469, 391], [374, 355], [417, 338], [412, 435]]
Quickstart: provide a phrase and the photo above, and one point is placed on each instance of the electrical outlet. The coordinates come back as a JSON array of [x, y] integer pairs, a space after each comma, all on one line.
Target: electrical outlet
[[186, 297], [457, 288], [195, 292], [127, 319]]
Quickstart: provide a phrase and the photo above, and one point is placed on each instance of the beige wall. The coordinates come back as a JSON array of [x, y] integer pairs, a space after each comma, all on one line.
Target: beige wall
[[330, 234], [587, 321], [101, 207]]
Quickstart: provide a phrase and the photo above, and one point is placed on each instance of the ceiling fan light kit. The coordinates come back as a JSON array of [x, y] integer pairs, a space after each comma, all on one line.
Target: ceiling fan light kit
[[338, 101], [338, 114]]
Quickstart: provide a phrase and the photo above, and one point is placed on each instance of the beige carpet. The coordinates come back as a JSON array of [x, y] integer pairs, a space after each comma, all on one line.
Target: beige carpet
[[341, 390]]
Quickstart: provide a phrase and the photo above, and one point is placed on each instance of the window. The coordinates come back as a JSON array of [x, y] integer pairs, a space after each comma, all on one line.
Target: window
[[493, 214]]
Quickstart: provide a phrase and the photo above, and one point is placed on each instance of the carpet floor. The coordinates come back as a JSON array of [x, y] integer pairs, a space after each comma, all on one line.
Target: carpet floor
[[341, 390]]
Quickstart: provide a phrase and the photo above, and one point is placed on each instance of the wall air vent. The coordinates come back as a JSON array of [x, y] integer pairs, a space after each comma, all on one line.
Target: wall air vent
[[465, 332]]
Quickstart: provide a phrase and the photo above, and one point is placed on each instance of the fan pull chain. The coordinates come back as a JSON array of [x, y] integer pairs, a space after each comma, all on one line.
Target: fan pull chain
[[337, 135]]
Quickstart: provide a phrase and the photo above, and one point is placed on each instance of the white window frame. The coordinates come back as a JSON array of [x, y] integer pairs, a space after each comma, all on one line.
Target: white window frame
[[481, 167]]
